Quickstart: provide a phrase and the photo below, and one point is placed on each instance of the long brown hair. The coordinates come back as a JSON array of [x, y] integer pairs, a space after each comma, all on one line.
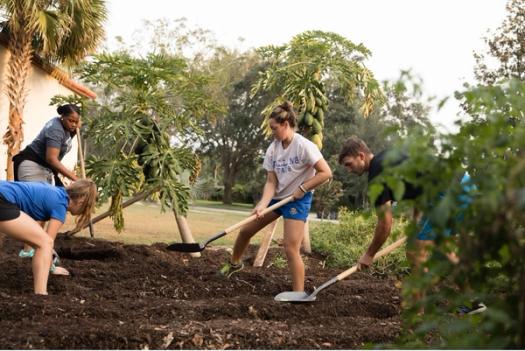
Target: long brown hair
[[87, 189]]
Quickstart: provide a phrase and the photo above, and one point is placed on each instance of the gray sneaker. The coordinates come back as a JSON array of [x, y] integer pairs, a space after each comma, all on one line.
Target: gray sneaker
[[477, 307]]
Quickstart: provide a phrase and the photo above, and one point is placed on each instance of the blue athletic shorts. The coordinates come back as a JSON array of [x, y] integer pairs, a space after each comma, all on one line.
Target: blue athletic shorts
[[427, 233], [298, 209]]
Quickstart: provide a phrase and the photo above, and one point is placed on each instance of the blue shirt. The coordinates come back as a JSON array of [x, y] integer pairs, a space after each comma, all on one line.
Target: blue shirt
[[39, 200]]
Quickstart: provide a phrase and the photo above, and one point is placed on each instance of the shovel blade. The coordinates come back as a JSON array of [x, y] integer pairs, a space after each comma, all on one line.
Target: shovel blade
[[294, 296], [185, 247]]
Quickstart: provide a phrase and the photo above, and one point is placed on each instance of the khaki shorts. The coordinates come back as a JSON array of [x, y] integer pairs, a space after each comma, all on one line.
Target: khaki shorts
[[30, 171]]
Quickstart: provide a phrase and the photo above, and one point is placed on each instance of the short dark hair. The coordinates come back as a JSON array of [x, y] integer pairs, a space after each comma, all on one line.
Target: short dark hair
[[352, 147], [284, 112]]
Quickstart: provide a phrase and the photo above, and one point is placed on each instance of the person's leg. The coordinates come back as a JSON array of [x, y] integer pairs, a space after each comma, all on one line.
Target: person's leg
[[293, 237], [29, 171], [28, 251], [25, 229], [247, 232], [419, 255]]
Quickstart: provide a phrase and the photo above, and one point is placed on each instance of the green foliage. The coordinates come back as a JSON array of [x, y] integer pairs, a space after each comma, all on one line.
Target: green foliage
[[299, 71], [343, 243], [233, 138], [147, 103], [63, 31], [326, 198], [490, 234], [504, 57], [279, 261]]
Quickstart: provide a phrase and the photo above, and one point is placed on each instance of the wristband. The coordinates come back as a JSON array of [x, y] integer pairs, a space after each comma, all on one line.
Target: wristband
[[303, 189]]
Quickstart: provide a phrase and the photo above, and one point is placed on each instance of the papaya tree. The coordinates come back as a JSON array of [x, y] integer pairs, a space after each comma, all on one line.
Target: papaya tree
[[300, 70], [146, 103]]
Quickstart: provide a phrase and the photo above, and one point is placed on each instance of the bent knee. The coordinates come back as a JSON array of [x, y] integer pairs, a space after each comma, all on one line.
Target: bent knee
[[45, 243]]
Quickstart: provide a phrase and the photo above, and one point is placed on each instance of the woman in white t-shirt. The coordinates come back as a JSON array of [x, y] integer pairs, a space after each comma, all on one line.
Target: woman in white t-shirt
[[295, 166]]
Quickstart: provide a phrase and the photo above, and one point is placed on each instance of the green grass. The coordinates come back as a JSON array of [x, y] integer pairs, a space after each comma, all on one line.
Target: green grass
[[219, 205], [145, 224]]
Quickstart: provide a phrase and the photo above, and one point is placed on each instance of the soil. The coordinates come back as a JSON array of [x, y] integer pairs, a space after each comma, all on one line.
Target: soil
[[145, 297]]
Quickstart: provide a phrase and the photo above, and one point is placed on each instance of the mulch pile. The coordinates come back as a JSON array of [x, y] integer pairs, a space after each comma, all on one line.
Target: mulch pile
[[145, 297]]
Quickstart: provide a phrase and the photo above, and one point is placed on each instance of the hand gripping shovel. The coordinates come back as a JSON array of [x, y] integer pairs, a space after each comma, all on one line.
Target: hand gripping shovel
[[296, 296], [198, 247]]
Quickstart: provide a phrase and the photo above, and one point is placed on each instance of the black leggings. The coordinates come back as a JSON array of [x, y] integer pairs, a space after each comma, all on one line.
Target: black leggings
[[8, 211]]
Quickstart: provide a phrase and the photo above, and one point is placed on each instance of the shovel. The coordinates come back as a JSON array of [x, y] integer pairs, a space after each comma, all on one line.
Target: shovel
[[198, 247], [296, 296]]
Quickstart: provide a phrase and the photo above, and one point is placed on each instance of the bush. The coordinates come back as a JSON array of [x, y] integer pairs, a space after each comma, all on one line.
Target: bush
[[343, 243]]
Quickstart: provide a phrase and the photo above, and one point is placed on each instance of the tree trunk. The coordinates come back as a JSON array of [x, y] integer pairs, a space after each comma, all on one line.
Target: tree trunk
[[185, 231], [18, 68], [229, 182], [227, 196]]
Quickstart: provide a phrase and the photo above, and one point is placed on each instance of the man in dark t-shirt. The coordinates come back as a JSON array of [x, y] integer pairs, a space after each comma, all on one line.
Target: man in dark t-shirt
[[357, 158]]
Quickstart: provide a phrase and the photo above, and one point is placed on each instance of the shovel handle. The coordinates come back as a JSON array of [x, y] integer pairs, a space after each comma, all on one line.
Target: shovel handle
[[81, 155], [380, 253], [83, 172], [265, 211]]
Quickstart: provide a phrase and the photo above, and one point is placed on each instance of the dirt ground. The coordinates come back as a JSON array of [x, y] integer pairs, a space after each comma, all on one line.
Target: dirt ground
[[145, 297]]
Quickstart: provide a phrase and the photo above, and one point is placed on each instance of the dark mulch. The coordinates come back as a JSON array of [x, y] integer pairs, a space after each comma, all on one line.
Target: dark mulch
[[137, 297]]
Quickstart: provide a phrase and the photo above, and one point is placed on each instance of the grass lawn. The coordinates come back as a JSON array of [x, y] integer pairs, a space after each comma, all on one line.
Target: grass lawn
[[145, 224], [215, 204]]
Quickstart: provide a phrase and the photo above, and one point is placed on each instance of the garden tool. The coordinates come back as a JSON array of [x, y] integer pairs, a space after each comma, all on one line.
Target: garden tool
[[296, 296], [197, 247]]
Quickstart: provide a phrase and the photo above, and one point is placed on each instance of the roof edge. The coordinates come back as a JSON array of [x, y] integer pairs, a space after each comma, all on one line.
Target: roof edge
[[54, 71]]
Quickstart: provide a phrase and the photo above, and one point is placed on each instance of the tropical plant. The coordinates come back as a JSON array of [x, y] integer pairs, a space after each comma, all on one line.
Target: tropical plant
[[149, 105], [60, 31], [299, 71]]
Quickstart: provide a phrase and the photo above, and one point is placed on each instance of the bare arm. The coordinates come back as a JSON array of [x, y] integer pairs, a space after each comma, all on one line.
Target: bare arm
[[268, 192], [381, 233], [52, 159], [52, 227], [322, 174]]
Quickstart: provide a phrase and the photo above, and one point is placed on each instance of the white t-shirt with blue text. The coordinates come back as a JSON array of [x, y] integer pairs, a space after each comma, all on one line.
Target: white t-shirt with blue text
[[293, 165]]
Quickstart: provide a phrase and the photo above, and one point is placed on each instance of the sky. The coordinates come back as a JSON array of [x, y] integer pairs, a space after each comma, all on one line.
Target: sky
[[436, 39]]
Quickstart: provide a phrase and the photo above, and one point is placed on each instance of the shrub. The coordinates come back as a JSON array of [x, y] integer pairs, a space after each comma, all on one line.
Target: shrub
[[343, 243]]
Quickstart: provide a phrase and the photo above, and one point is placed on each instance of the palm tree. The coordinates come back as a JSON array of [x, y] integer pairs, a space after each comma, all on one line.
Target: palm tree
[[60, 31]]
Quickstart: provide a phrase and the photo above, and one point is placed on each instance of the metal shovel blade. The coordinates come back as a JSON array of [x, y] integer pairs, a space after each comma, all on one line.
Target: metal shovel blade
[[185, 247], [294, 296]]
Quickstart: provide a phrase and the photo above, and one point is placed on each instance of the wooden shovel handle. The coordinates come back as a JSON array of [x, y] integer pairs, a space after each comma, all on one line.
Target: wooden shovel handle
[[81, 155], [265, 211], [380, 253]]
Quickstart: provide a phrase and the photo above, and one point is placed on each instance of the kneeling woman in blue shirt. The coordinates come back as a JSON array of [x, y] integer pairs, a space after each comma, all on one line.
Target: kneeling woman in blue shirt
[[22, 204]]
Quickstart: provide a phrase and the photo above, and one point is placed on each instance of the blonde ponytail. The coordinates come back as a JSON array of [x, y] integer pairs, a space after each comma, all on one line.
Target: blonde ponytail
[[86, 189]]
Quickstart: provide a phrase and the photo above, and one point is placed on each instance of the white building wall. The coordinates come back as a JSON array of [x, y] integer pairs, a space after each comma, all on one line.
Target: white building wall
[[41, 88]]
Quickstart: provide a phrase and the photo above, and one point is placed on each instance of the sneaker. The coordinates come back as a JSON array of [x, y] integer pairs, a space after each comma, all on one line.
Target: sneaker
[[477, 307], [230, 268], [24, 253]]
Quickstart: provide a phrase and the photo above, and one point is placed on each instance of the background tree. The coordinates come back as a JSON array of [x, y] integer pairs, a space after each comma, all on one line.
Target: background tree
[[504, 57], [234, 139], [403, 109], [59, 31]]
